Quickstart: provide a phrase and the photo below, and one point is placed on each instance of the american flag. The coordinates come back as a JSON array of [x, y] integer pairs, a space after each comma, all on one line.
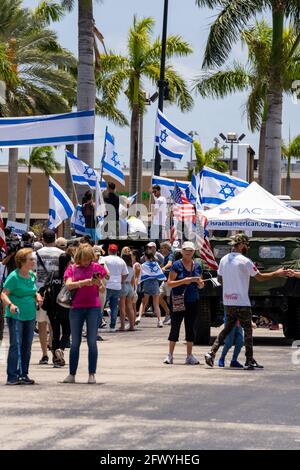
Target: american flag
[[182, 209], [202, 241], [2, 234]]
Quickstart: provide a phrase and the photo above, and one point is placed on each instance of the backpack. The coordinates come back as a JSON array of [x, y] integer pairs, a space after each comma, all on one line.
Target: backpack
[[49, 289]]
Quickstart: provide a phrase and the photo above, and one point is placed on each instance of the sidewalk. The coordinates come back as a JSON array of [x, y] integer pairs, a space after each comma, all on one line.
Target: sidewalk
[[140, 403]]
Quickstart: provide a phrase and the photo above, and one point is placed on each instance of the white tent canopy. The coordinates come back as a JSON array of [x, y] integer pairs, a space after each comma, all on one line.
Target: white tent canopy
[[254, 209]]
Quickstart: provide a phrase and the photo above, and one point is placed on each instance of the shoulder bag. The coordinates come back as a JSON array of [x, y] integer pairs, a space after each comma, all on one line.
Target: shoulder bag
[[66, 296], [178, 304]]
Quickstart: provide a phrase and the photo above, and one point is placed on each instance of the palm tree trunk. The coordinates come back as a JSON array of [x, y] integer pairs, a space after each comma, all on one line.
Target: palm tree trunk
[[140, 159], [134, 149], [86, 89], [262, 150], [288, 183], [134, 138], [69, 191], [12, 183], [28, 199], [272, 170]]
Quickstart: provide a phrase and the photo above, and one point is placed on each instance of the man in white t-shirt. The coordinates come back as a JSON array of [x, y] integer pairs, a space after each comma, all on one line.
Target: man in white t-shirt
[[159, 213], [118, 272], [235, 271], [47, 261]]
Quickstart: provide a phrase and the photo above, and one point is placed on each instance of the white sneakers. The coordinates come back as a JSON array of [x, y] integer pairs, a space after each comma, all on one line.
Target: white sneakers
[[92, 379], [113, 330], [70, 379], [169, 359], [190, 360], [160, 324]]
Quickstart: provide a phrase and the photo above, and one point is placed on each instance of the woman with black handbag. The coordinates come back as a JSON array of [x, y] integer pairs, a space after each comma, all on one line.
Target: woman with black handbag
[[185, 280]]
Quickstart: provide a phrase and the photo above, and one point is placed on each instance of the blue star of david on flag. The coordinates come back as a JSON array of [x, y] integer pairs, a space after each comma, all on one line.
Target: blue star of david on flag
[[115, 159], [81, 219], [227, 190], [163, 135], [89, 172], [111, 162], [154, 267]]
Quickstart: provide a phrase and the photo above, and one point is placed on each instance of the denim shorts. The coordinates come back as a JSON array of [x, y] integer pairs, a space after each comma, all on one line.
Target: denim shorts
[[151, 287], [126, 290]]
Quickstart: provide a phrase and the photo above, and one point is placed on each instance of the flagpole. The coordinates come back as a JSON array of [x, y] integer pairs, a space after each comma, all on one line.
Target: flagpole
[[103, 156], [73, 185]]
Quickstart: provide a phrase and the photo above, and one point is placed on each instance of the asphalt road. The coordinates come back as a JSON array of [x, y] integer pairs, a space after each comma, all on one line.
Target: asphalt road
[[140, 403]]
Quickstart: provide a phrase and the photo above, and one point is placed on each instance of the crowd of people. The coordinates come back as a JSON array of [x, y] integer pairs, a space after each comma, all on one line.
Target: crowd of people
[[60, 289]]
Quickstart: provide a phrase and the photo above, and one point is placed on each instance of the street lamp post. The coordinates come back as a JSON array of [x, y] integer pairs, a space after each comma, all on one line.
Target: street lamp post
[[162, 82], [231, 139], [192, 135]]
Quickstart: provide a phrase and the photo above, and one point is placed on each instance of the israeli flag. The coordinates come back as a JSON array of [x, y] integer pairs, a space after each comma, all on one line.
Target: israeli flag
[[151, 270], [171, 141], [60, 206], [216, 187], [78, 220], [51, 129], [131, 199], [167, 185], [81, 173], [103, 185], [111, 162]]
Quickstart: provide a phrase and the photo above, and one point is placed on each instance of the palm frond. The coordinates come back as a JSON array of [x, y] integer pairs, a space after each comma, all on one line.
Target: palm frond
[[222, 83], [227, 27]]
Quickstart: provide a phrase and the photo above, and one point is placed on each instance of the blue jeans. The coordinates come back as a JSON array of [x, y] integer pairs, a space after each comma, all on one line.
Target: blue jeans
[[25, 332], [77, 318], [113, 297], [235, 337]]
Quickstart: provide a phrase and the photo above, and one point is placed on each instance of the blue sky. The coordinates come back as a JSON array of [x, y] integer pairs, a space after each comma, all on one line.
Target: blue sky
[[208, 117]]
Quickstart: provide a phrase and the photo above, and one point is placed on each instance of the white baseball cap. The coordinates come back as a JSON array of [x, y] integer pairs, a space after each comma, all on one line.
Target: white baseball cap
[[188, 246]]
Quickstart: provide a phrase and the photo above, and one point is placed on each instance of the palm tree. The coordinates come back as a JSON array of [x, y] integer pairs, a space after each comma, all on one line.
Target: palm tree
[[210, 158], [253, 78], [39, 81], [289, 151], [232, 19], [125, 74], [42, 158]]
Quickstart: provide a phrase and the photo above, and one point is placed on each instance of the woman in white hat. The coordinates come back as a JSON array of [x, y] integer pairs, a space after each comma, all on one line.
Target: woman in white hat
[[185, 280]]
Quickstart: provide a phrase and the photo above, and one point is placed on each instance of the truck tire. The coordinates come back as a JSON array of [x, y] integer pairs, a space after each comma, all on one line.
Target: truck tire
[[202, 323], [291, 328]]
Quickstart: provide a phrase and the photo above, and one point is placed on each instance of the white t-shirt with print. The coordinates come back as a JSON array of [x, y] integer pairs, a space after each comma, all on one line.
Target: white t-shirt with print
[[117, 268], [236, 271]]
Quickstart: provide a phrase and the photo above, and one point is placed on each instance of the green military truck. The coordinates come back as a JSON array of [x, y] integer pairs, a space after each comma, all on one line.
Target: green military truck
[[277, 299]]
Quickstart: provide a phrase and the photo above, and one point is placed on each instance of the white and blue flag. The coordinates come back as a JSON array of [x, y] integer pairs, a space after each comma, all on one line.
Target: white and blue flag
[[193, 192], [151, 270], [167, 185], [217, 187], [52, 129], [171, 141], [78, 221], [111, 162], [60, 205], [131, 199], [81, 173]]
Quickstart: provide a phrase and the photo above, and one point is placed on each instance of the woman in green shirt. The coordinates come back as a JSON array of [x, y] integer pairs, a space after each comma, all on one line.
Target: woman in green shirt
[[20, 297]]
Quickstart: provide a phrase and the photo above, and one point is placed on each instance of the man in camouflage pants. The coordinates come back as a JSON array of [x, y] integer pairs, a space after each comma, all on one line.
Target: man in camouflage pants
[[234, 273]]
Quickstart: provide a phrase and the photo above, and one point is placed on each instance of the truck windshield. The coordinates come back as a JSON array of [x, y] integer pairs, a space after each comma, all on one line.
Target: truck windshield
[[221, 250], [272, 252]]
